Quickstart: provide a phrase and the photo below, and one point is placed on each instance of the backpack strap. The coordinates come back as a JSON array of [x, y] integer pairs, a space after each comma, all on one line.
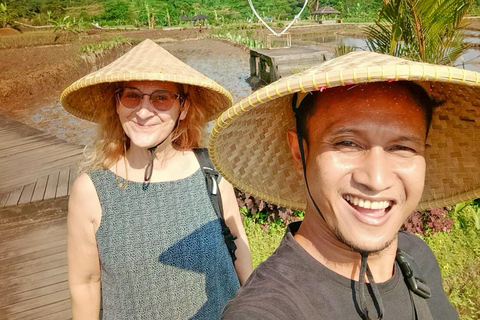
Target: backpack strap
[[418, 287], [212, 178]]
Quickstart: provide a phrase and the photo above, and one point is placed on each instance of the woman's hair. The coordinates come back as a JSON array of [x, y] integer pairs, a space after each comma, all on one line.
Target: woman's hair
[[111, 141]]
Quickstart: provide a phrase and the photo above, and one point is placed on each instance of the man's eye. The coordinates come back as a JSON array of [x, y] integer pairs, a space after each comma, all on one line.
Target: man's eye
[[346, 144], [403, 148]]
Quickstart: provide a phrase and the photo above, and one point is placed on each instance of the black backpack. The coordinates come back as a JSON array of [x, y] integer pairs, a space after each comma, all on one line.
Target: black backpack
[[212, 177]]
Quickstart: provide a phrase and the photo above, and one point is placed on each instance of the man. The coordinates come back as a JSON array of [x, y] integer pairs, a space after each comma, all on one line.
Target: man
[[357, 137]]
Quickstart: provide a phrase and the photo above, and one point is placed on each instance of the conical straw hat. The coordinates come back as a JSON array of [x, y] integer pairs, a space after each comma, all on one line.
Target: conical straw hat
[[88, 96], [248, 142]]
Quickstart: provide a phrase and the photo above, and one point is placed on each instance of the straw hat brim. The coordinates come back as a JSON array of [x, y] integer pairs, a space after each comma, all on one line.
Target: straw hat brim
[[89, 96], [248, 142]]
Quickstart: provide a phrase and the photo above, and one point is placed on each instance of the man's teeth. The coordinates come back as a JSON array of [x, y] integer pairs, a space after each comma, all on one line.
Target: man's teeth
[[367, 204]]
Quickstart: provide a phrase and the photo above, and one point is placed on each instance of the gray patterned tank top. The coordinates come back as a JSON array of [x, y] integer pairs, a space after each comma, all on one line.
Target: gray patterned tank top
[[161, 250]]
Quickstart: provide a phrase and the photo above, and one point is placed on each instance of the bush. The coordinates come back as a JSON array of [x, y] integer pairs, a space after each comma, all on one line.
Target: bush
[[458, 254], [264, 214]]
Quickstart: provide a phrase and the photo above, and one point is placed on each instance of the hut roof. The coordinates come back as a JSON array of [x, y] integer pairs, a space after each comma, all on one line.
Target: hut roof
[[200, 17], [195, 18], [326, 10]]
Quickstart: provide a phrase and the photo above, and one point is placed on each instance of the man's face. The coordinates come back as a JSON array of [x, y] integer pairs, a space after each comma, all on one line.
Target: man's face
[[365, 161]]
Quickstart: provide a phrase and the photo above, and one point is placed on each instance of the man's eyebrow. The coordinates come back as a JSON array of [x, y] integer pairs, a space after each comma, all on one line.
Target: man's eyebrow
[[401, 138]]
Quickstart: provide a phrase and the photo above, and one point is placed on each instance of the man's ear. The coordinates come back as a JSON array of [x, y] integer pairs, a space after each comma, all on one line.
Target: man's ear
[[292, 139], [184, 109]]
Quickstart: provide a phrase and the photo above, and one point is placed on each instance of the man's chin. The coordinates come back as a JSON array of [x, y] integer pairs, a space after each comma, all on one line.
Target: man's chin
[[370, 248]]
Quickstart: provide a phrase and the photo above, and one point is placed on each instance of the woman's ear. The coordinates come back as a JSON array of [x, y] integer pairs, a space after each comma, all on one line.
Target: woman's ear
[[184, 109], [292, 139]]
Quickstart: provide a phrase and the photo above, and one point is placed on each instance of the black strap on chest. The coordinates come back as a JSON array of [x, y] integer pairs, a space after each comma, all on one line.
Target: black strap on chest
[[418, 288], [211, 180]]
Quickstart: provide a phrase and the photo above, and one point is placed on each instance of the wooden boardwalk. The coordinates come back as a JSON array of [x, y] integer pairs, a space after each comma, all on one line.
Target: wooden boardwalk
[[33, 261], [36, 174], [34, 165]]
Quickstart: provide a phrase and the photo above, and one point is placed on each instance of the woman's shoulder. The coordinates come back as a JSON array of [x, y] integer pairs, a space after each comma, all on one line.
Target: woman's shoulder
[[83, 188]]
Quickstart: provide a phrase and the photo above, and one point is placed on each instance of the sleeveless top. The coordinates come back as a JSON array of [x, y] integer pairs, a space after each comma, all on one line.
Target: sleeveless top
[[161, 250]]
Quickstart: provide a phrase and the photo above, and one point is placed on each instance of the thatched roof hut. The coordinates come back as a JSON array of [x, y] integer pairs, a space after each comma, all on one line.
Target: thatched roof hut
[[325, 10]]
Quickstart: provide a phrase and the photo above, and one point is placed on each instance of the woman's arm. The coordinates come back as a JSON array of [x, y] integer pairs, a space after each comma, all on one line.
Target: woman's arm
[[243, 264], [84, 213]]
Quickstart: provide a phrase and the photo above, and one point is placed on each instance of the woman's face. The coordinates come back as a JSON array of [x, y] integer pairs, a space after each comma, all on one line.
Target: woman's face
[[144, 124]]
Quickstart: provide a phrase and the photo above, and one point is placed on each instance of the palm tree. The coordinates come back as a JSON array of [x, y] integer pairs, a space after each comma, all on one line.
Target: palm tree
[[423, 30]]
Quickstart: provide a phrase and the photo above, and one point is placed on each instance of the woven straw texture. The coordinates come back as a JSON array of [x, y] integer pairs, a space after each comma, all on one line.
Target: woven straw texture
[[249, 147], [88, 96]]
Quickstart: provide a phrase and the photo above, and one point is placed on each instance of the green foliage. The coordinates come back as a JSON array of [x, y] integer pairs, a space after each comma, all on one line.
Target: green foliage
[[425, 30], [117, 11], [237, 38], [262, 243], [458, 254], [168, 12], [343, 49], [99, 48], [4, 14]]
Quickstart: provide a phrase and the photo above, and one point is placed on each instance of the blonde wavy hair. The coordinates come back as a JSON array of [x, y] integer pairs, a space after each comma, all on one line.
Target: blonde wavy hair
[[111, 142]]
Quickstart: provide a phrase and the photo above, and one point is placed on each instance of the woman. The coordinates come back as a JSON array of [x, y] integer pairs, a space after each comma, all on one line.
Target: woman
[[144, 241]]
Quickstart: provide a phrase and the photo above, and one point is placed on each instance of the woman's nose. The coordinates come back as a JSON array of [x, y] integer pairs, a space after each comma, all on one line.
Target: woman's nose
[[145, 108], [375, 171]]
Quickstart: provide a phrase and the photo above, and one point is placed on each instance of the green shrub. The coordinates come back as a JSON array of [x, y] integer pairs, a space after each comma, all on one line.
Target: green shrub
[[458, 254]]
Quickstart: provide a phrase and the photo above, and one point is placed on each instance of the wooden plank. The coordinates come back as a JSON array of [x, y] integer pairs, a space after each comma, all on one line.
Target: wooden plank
[[40, 306], [3, 199], [62, 315], [24, 223], [62, 186], [14, 197], [36, 280], [12, 141], [9, 262], [34, 224], [73, 175], [40, 187], [25, 246], [51, 186], [60, 159], [13, 298], [27, 193], [36, 160], [20, 146], [21, 286], [39, 265]]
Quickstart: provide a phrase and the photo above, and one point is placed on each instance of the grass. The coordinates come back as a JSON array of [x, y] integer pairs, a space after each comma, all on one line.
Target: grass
[[28, 39], [262, 243], [457, 252], [98, 48]]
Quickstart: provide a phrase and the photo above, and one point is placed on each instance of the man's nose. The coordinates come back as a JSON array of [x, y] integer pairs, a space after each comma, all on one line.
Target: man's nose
[[375, 171]]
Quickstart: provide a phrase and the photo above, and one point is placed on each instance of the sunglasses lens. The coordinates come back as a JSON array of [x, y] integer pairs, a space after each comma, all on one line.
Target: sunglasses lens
[[163, 100], [129, 97]]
